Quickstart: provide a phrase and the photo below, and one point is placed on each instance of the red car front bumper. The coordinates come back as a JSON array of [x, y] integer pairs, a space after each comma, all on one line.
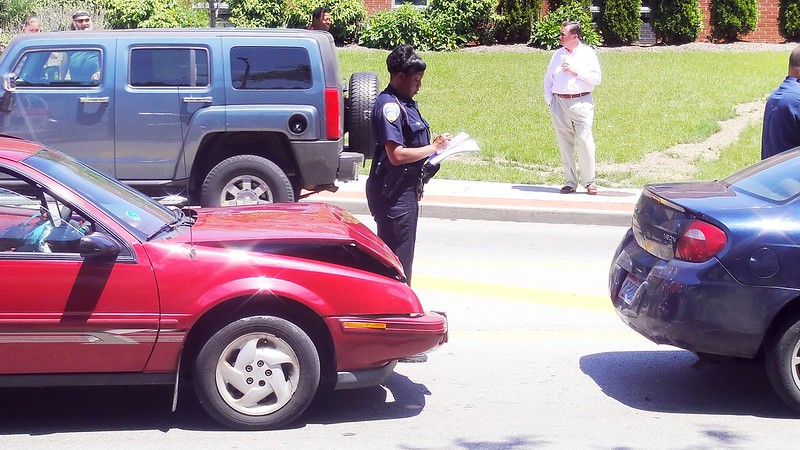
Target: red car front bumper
[[366, 342]]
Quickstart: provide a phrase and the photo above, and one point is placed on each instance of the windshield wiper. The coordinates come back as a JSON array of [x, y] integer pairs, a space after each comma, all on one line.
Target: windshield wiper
[[180, 220]]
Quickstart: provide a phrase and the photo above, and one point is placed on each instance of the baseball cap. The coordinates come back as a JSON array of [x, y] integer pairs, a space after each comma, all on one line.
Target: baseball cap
[[80, 13]]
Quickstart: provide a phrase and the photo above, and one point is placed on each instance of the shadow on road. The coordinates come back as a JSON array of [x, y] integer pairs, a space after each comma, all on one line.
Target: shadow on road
[[43, 411], [374, 403], [664, 381]]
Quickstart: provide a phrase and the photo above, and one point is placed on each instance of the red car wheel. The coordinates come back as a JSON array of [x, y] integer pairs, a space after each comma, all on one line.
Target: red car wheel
[[257, 373]]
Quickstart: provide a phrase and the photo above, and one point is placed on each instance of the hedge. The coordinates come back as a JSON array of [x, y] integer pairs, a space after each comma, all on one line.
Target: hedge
[[620, 21], [733, 18]]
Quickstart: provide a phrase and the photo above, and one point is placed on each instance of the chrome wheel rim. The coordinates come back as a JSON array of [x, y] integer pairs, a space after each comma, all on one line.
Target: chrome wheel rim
[[795, 364], [257, 374], [246, 190]]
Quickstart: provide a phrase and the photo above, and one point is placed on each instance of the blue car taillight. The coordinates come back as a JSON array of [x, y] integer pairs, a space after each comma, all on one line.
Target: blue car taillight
[[700, 241]]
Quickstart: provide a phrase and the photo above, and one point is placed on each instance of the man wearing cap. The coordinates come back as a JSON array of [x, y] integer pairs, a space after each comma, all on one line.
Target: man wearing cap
[[81, 21], [83, 66]]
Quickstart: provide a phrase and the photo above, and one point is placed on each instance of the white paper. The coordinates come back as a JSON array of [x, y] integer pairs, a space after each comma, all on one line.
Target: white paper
[[460, 143]]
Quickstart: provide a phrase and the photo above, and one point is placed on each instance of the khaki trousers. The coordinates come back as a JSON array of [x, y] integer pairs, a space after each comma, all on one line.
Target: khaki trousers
[[572, 119]]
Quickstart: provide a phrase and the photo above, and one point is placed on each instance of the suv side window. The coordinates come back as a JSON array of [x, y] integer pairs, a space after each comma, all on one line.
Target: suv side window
[[270, 68], [73, 68], [181, 67]]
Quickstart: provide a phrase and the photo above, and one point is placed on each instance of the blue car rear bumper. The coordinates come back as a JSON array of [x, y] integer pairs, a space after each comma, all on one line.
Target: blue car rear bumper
[[696, 306]]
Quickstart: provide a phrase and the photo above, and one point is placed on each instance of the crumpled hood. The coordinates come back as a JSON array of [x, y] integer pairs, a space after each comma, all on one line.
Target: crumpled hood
[[286, 223]]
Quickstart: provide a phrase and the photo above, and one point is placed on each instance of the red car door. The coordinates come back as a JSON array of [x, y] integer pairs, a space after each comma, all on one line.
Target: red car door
[[61, 313]]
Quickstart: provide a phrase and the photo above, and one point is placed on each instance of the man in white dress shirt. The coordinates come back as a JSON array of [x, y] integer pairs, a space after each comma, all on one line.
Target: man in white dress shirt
[[568, 83]]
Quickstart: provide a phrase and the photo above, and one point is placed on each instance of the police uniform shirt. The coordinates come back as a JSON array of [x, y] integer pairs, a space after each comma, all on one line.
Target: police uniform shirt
[[397, 119]]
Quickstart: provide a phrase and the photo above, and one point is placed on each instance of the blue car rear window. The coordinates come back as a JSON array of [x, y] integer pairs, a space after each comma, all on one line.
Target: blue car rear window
[[775, 179]]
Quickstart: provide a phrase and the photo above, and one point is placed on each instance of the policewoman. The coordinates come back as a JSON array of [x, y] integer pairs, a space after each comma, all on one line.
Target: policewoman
[[403, 138]]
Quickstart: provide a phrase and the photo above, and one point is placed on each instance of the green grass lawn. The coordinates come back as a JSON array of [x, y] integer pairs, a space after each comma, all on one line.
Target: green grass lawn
[[648, 101]]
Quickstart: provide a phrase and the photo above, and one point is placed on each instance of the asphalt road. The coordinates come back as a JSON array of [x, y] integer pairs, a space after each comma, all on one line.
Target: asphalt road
[[536, 359]]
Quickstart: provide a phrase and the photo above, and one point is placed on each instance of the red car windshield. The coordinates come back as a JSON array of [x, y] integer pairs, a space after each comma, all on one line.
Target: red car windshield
[[140, 214]]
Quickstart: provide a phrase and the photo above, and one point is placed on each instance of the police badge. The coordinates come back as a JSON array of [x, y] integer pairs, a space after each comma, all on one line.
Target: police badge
[[391, 111]]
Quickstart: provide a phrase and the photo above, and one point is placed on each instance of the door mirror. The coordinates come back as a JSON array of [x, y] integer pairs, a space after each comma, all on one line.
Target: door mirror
[[8, 82], [98, 245]]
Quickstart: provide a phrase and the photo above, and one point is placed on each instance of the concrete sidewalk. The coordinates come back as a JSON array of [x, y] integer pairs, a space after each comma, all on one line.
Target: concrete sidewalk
[[458, 199]]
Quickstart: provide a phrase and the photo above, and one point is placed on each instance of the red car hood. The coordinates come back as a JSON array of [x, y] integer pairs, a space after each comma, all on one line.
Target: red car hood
[[287, 223]]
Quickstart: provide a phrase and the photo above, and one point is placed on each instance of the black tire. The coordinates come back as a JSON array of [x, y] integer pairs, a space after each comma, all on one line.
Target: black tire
[[783, 365], [362, 92], [246, 180], [284, 359]]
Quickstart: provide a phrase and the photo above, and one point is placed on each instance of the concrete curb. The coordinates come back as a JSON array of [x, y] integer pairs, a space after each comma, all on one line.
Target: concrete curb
[[470, 200]]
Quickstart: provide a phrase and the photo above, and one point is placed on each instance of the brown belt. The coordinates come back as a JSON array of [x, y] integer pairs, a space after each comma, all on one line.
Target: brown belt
[[573, 95]]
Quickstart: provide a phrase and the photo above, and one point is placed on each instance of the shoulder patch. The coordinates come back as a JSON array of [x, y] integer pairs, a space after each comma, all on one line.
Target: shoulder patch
[[391, 111]]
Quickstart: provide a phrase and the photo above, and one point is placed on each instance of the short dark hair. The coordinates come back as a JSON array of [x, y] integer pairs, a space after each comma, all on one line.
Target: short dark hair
[[573, 27], [319, 11], [404, 59], [794, 58]]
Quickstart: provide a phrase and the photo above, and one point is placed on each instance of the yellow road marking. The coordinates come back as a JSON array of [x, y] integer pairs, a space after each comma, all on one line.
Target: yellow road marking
[[474, 288]]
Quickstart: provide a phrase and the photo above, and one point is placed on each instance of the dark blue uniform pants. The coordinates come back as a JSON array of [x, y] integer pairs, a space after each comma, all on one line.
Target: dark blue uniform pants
[[397, 225]]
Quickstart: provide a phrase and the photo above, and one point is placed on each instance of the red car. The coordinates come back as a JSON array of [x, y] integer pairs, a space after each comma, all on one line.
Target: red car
[[260, 307]]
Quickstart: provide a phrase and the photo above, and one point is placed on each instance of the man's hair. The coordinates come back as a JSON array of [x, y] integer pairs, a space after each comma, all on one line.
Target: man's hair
[[319, 11], [31, 19], [404, 59], [794, 58], [573, 27]]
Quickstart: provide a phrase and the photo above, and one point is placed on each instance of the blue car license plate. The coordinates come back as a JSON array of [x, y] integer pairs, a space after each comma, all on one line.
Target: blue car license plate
[[629, 287]]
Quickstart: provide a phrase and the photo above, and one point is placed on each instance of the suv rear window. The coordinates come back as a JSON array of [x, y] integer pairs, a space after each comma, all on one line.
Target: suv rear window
[[169, 67], [270, 68]]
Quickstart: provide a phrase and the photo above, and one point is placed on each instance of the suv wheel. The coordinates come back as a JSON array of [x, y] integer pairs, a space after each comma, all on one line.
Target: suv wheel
[[257, 373], [362, 92], [246, 180], [783, 365]]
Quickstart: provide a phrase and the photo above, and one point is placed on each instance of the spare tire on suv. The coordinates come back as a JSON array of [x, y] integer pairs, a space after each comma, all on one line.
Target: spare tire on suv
[[362, 93]]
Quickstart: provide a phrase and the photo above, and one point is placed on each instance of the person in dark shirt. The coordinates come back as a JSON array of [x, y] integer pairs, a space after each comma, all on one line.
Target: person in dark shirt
[[781, 129], [403, 143]]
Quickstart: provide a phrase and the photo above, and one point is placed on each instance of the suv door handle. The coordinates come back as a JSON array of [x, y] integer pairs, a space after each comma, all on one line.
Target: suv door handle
[[198, 99], [94, 99]]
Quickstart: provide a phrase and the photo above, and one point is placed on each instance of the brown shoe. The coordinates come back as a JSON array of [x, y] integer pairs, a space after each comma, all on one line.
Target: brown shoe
[[591, 189], [567, 190]]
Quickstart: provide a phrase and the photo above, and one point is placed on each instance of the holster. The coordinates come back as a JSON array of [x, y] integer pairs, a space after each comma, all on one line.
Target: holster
[[393, 179]]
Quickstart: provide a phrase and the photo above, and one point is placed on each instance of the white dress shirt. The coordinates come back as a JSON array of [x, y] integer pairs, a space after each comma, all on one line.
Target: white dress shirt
[[583, 60]]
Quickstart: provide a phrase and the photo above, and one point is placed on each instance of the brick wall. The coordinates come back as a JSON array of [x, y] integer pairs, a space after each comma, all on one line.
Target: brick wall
[[374, 6], [766, 30]]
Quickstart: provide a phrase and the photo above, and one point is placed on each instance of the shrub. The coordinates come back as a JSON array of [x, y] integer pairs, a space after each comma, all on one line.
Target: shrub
[[257, 13], [620, 20], [677, 21], [733, 18], [153, 14], [789, 19], [390, 28], [445, 25], [514, 19], [468, 19], [545, 32]]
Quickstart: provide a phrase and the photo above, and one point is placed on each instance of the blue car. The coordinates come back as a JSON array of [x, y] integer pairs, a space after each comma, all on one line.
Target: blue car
[[714, 268]]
